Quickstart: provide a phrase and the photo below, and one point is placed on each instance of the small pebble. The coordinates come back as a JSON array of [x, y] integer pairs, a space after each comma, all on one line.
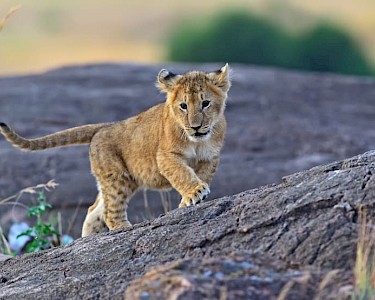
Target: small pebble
[[260, 279], [145, 295], [247, 265], [219, 275], [344, 206]]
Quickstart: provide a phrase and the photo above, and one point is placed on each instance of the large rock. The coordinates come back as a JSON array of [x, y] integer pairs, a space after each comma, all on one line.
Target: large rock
[[295, 240], [278, 123]]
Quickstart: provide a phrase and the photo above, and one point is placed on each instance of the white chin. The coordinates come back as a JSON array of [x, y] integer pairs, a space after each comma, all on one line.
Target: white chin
[[198, 139]]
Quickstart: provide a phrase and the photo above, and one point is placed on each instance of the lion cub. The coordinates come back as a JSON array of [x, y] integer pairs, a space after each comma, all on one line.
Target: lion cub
[[173, 144]]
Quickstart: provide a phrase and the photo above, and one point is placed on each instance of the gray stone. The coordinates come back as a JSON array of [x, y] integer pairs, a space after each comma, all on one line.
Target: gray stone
[[279, 122], [275, 240]]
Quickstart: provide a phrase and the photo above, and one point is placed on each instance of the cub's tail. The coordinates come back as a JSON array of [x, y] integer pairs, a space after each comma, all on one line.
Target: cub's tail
[[72, 136]]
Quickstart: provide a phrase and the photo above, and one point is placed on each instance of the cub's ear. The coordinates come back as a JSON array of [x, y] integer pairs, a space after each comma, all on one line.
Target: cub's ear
[[221, 78], [167, 80]]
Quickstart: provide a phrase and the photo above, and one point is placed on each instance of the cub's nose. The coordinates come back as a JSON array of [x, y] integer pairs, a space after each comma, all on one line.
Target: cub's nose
[[196, 128]]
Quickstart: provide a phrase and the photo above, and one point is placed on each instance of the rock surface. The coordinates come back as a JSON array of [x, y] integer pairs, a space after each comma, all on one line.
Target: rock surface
[[294, 240], [279, 123], [4, 257]]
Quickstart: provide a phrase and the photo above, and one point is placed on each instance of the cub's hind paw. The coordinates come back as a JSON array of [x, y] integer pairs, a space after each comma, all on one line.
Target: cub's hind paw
[[198, 195]]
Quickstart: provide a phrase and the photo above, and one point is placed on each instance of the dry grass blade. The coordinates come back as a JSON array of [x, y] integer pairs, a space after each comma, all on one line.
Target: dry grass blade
[[224, 293], [11, 11], [364, 269], [14, 203], [4, 245], [51, 185], [29, 190], [324, 283], [148, 212], [285, 290], [166, 201], [72, 219], [302, 280]]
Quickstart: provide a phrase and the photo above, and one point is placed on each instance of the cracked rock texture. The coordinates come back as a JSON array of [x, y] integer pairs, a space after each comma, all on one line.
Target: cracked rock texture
[[279, 122], [294, 240]]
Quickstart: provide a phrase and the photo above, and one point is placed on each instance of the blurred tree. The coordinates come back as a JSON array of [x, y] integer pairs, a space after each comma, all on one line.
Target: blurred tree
[[234, 36], [330, 49], [244, 38]]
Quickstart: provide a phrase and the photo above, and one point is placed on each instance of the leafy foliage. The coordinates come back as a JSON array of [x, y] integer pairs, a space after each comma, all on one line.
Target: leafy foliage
[[244, 38], [41, 234]]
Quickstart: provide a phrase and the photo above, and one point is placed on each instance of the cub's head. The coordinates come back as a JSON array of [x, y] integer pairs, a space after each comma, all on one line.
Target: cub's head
[[196, 99]]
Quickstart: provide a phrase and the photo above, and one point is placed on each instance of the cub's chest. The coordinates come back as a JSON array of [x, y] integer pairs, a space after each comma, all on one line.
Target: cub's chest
[[201, 151]]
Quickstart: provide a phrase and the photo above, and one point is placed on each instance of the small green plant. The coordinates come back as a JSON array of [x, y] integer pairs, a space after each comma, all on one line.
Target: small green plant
[[41, 234]]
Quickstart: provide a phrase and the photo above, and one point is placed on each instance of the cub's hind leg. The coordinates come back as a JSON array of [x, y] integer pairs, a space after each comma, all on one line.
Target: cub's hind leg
[[117, 191], [115, 182], [94, 222]]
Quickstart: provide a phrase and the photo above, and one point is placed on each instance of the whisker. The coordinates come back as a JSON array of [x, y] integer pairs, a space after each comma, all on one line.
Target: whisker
[[183, 134]]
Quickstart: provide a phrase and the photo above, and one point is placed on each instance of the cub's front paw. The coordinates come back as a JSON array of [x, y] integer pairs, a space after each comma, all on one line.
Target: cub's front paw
[[200, 193], [117, 225]]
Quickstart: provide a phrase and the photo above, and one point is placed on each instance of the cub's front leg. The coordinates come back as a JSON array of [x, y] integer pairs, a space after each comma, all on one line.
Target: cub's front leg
[[183, 178], [205, 170]]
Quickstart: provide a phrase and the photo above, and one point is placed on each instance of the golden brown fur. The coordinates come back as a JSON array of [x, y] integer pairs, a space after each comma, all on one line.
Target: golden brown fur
[[174, 144]]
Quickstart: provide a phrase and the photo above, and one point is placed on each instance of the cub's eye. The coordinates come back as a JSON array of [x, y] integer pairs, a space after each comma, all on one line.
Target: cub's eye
[[183, 106], [205, 103]]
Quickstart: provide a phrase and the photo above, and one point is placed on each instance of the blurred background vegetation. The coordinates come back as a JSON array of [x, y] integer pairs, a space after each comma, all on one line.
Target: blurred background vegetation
[[245, 38], [334, 36]]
